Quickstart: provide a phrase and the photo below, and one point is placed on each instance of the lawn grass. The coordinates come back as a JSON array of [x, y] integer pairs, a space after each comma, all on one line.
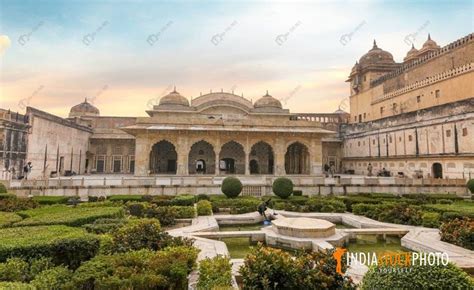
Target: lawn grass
[[66, 215], [462, 207]]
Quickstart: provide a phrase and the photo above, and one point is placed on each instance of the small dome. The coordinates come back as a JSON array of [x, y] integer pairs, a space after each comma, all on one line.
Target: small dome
[[376, 56], [267, 101], [340, 111], [174, 98], [84, 109], [430, 44], [411, 54]]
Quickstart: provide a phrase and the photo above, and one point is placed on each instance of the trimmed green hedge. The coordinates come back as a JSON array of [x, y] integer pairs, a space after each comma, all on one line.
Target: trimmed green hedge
[[184, 212], [16, 204], [125, 197], [65, 245], [416, 277], [215, 273], [184, 200], [242, 204], [8, 218], [6, 195], [204, 207], [470, 185], [48, 200], [65, 215], [3, 188]]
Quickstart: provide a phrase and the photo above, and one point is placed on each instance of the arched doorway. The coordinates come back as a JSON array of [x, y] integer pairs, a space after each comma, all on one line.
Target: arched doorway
[[437, 170], [232, 158], [297, 159], [163, 158], [254, 167], [201, 158], [262, 155]]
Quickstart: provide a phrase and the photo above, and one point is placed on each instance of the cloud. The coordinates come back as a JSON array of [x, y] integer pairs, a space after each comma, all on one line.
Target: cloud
[[4, 44]]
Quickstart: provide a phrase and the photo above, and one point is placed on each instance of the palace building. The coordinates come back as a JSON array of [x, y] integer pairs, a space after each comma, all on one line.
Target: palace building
[[412, 118]]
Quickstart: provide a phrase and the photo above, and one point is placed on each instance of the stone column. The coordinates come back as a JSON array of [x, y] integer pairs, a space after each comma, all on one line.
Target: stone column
[[247, 157], [142, 155], [217, 151], [279, 152], [316, 155], [182, 149]]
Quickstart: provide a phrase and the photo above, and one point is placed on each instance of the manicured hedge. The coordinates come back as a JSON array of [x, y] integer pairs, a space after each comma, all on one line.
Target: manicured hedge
[[144, 269], [416, 277], [231, 187], [459, 232], [65, 245], [184, 212], [184, 200], [45, 200], [282, 187], [16, 204], [104, 225], [215, 273], [3, 188], [65, 215], [470, 185], [125, 197], [243, 204], [8, 218], [6, 195], [204, 207]]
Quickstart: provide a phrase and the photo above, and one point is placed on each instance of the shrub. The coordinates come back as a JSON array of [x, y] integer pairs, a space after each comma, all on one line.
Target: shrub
[[53, 278], [65, 245], [459, 232], [231, 187], [105, 225], [418, 277], [282, 187], [143, 234], [325, 205], [3, 188], [162, 200], [184, 212], [48, 200], [267, 268], [6, 195], [125, 197], [136, 208], [215, 273], [445, 201], [165, 214], [144, 269], [16, 204], [8, 218], [147, 198], [204, 207], [184, 200], [91, 198], [297, 192], [65, 215], [470, 185], [202, 196], [16, 286], [451, 215], [430, 219], [15, 270], [238, 205]]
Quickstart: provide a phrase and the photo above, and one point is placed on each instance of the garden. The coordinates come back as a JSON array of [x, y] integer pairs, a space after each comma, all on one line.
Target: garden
[[122, 242]]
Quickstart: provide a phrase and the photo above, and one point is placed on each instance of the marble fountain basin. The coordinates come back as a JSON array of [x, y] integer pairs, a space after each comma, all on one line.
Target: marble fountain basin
[[304, 227]]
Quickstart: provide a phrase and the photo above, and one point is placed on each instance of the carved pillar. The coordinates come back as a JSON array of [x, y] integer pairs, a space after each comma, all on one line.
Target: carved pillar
[[247, 156], [280, 151], [183, 153], [316, 154], [142, 155]]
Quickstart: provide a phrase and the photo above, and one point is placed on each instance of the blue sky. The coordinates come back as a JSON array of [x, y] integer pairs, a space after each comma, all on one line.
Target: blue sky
[[125, 55]]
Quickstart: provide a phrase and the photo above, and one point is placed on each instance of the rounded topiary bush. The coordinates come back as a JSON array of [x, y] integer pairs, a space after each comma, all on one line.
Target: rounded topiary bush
[[470, 185], [283, 187], [231, 187]]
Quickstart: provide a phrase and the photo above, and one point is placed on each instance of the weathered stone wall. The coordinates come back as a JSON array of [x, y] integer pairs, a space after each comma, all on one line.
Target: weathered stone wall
[[57, 140]]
